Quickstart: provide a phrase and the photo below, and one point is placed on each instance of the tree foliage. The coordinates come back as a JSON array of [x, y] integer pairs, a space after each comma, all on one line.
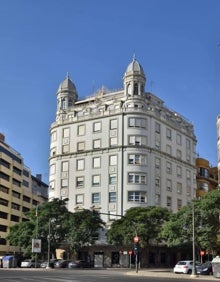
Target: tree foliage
[[84, 227], [52, 221], [145, 222], [206, 210]]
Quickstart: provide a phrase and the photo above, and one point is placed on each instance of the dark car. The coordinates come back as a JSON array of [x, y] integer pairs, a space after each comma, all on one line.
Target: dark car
[[79, 264], [44, 264], [61, 264], [205, 269]]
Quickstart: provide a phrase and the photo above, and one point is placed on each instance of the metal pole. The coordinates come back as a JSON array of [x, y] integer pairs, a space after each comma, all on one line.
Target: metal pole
[[136, 262], [48, 253], [193, 241]]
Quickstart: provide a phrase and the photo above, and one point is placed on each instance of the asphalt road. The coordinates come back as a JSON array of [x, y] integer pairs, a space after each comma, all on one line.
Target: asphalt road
[[92, 275]]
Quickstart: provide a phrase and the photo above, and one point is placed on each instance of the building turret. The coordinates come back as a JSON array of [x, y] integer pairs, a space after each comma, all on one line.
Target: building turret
[[66, 95], [134, 79]]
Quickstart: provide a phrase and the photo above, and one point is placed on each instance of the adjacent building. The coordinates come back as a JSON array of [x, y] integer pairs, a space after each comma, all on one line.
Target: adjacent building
[[120, 149], [19, 192], [206, 177]]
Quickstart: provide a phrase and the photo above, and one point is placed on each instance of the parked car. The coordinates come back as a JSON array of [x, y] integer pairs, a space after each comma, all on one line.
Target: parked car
[[79, 264], [185, 266], [44, 264], [29, 263], [204, 268], [61, 264]]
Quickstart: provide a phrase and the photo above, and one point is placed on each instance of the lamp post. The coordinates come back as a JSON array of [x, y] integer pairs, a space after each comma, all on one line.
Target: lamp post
[[48, 251], [193, 275]]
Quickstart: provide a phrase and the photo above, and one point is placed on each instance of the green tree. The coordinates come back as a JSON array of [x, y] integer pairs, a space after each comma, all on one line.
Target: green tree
[[177, 232], [51, 215], [84, 228], [144, 222]]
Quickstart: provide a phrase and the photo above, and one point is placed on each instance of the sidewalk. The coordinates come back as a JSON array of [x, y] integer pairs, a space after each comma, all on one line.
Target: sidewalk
[[167, 272]]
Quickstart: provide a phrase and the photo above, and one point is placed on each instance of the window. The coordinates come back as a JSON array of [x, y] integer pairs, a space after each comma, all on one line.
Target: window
[[179, 171], [136, 178], [14, 218], [64, 183], [169, 185], [52, 185], [16, 182], [157, 163], [25, 183], [188, 144], [137, 159], [96, 162], [81, 130], [157, 140], [80, 146], [113, 141], [112, 179], [95, 198], [157, 127], [4, 189], [178, 139], [203, 186], [137, 122], [178, 154], [157, 182], [137, 140], [3, 228], [53, 136], [179, 204], [168, 167], [168, 132], [179, 188], [3, 215], [113, 160], [113, 124], [80, 181], [97, 126], [15, 206], [66, 132], [52, 169], [26, 199], [16, 194], [112, 197], [4, 163], [3, 202], [96, 143], [79, 199], [4, 176], [203, 172], [26, 173], [95, 180], [137, 196], [135, 89], [169, 202], [65, 166], [80, 164]]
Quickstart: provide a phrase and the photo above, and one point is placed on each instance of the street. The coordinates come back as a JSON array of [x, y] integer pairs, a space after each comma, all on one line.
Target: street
[[90, 275]]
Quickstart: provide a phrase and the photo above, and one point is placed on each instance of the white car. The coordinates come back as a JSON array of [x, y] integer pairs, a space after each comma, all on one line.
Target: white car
[[184, 266], [28, 263]]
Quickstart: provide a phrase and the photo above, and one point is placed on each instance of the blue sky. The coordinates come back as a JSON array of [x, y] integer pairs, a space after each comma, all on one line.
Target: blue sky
[[94, 40]]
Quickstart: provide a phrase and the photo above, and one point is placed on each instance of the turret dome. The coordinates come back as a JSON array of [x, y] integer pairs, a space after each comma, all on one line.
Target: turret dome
[[135, 67], [67, 85]]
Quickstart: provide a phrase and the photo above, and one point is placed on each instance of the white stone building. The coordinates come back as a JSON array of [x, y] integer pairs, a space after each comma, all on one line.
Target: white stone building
[[120, 149]]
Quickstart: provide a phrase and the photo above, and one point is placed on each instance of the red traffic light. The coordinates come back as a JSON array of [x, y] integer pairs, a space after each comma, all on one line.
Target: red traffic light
[[136, 239]]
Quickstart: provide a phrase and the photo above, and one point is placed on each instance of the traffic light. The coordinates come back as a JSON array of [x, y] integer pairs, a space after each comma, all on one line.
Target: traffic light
[[136, 248]]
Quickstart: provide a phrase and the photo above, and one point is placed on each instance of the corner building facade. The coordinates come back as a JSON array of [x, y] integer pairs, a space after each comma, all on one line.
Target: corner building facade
[[120, 149]]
